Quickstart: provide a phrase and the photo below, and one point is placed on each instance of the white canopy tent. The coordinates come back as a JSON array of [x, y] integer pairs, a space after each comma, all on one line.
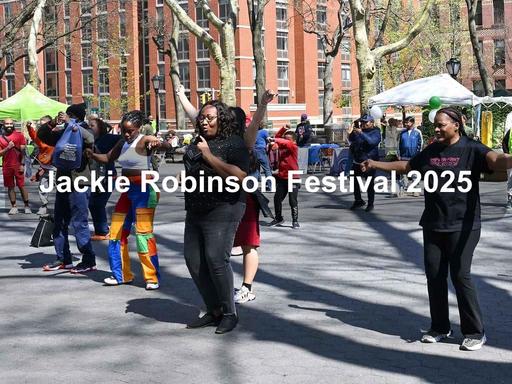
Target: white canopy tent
[[418, 92], [500, 100]]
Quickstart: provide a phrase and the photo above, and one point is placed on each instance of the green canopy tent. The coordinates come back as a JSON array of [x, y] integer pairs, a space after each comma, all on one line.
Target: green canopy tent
[[29, 104]]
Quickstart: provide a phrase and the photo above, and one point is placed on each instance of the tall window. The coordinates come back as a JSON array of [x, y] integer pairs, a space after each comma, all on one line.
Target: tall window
[[50, 59], [8, 60], [345, 49], [499, 11], [66, 9], [86, 56], [184, 75], [104, 81], [183, 47], [202, 50], [321, 72], [283, 97], [161, 73], [282, 45], [346, 75], [103, 56], [478, 15], [87, 82], [122, 24], [499, 52], [203, 75], [281, 16], [10, 87], [69, 90], [51, 84], [282, 74], [321, 17], [224, 9], [102, 26], [101, 6], [162, 105], [201, 18], [122, 4], [123, 79], [86, 28]]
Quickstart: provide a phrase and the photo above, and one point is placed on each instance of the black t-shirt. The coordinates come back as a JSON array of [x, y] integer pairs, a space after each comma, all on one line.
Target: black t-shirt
[[232, 151], [452, 211]]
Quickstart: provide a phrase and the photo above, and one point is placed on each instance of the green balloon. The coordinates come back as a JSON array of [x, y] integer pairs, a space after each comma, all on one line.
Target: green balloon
[[435, 102]]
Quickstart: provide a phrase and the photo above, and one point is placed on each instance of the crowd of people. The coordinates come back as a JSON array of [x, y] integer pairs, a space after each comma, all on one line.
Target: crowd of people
[[228, 144]]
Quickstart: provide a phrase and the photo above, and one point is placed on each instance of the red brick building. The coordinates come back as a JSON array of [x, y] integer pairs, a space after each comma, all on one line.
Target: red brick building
[[110, 62]]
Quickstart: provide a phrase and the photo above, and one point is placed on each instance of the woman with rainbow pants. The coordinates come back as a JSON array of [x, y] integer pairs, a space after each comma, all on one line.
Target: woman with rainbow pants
[[134, 207]]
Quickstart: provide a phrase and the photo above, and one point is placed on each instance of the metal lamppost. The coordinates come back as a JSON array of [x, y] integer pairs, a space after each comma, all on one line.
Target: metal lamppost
[[156, 86], [453, 67]]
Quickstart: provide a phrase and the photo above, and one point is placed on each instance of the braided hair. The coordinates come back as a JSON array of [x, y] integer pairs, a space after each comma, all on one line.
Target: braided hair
[[135, 117], [225, 125], [456, 116]]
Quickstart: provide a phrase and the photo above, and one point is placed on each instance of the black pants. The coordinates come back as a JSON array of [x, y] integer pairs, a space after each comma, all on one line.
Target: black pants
[[357, 188], [208, 242], [281, 192], [453, 251]]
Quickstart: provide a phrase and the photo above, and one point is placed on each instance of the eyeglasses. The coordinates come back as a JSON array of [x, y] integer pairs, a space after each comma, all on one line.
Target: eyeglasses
[[208, 118]]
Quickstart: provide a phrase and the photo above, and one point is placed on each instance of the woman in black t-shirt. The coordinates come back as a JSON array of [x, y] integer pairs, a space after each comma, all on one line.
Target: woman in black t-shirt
[[451, 168], [213, 217]]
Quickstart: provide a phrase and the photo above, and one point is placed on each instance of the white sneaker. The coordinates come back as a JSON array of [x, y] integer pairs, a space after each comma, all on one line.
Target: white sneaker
[[434, 337], [42, 210], [151, 286], [243, 295], [13, 211], [470, 344], [28, 211]]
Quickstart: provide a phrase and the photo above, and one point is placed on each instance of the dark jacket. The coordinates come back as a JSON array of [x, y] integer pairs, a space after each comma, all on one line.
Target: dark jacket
[[409, 143], [504, 143], [365, 145], [304, 129], [50, 137]]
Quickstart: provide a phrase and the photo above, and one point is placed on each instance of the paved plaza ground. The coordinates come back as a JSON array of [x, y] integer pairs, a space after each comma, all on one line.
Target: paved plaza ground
[[342, 300]]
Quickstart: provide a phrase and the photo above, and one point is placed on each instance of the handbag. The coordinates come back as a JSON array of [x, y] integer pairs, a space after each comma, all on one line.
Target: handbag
[[43, 234]]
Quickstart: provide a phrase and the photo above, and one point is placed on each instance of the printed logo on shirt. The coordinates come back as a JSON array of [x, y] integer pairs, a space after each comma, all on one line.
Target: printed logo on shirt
[[445, 162]]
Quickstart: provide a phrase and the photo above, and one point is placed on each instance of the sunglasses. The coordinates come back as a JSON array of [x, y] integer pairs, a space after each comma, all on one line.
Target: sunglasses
[[208, 118]]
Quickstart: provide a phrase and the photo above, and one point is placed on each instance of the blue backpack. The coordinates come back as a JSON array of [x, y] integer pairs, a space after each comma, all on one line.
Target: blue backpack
[[67, 154]]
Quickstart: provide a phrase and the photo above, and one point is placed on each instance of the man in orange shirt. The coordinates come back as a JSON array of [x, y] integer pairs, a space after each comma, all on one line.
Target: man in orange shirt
[[44, 158], [12, 149]]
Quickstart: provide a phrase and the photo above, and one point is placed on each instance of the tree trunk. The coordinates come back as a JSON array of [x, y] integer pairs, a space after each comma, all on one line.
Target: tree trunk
[[175, 72], [328, 90], [33, 78], [484, 75], [256, 22], [227, 69]]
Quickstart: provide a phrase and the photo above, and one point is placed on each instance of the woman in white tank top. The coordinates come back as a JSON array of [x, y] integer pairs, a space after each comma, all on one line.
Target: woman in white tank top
[[135, 206]]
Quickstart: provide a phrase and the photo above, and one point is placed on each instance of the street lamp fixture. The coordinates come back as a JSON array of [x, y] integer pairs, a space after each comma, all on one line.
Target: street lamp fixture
[[453, 67], [156, 86]]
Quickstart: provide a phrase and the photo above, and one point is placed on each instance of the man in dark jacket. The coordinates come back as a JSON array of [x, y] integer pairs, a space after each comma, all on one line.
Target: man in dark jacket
[[303, 131], [364, 145], [71, 208]]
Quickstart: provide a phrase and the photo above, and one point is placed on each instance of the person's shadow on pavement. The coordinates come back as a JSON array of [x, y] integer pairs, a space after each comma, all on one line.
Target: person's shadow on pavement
[[164, 310]]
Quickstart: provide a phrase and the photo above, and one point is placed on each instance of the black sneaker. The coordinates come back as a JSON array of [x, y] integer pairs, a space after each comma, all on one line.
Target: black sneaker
[[83, 268], [227, 324], [358, 204], [295, 225], [275, 222], [206, 320], [369, 208]]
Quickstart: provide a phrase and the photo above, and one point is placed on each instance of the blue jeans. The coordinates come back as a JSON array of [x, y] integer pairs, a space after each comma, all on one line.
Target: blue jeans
[[98, 208], [71, 208], [261, 156]]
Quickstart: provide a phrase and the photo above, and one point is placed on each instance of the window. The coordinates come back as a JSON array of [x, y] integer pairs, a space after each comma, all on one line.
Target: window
[[201, 19], [161, 73], [478, 15], [320, 100], [320, 52], [499, 11], [160, 17], [162, 105], [49, 14], [124, 104], [122, 4], [104, 107], [10, 86], [183, 5], [202, 50], [103, 56], [85, 7], [346, 102], [321, 72], [159, 2], [499, 52], [203, 75], [281, 16], [478, 88], [66, 30], [101, 6], [86, 28], [122, 24], [66, 8], [500, 84], [102, 26], [7, 12], [283, 96], [184, 75], [282, 45], [8, 60], [161, 57], [69, 89], [86, 56], [123, 79], [321, 17], [51, 84], [50, 59], [87, 83], [224, 9], [282, 74], [183, 47], [346, 76], [345, 49], [104, 82]]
